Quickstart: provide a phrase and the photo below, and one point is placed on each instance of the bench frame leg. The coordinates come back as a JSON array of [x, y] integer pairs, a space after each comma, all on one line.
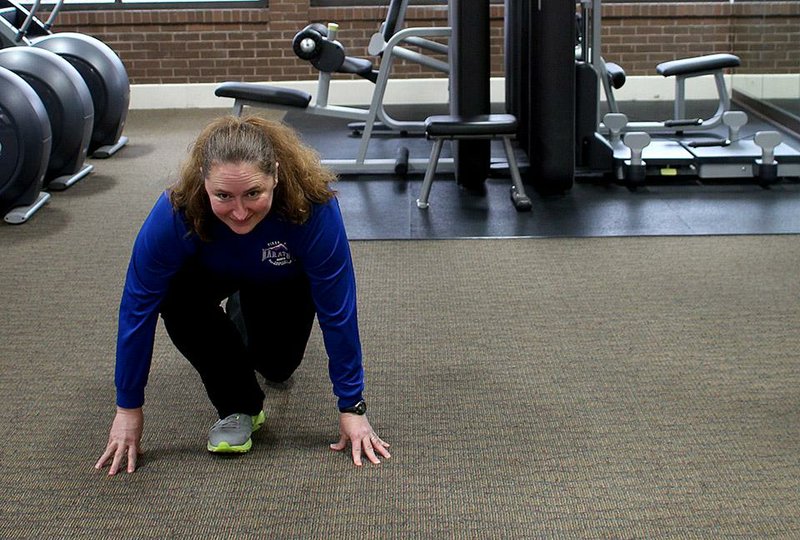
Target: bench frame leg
[[519, 198], [430, 172]]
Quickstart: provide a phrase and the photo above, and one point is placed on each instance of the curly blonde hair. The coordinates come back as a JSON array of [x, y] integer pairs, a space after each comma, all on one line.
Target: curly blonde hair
[[252, 139]]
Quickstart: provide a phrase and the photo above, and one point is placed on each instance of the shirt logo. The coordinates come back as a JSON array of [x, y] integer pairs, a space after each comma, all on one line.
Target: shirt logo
[[276, 254]]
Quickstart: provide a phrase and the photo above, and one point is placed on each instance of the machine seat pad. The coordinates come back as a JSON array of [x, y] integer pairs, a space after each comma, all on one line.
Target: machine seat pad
[[264, 93], [356, 66], [482, 125], [697, 64]]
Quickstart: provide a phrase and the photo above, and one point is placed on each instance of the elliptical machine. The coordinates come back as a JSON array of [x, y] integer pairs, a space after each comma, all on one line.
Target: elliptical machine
[[99, 66], [25, 142], [69, 109]]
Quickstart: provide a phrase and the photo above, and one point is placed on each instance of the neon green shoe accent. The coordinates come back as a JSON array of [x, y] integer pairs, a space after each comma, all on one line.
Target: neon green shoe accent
[[225, 448], [258, 420], [232, 433]]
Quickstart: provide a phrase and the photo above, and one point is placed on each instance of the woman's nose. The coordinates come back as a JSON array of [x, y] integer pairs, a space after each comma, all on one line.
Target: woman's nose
[[239, 211]]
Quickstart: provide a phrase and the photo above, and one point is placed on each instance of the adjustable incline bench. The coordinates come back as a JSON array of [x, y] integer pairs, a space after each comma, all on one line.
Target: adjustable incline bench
[[317, 44]]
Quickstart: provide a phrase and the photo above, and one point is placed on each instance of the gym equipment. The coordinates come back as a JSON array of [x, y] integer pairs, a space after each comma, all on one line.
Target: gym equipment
[[317, 44], [469, 87], [24, 149], [635, 152], [69, 109], [101, 69], [487, 126], [682, 69], [540, 88]]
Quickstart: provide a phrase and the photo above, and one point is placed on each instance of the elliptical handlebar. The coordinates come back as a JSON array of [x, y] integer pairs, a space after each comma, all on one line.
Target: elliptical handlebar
[[53, 14], [23, 30]]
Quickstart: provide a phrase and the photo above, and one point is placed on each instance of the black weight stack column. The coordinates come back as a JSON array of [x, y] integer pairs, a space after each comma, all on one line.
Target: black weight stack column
[[517, 45], [545, 80], [469, 86]]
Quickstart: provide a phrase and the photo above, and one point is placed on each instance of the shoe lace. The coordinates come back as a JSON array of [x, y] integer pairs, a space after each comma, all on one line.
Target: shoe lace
[[231, 421]]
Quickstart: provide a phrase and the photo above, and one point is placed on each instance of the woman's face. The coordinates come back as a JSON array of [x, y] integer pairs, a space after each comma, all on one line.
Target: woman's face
[[240, 194]]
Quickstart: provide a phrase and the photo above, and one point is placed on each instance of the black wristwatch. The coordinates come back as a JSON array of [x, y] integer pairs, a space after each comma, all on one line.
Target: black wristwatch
[[359, 408]]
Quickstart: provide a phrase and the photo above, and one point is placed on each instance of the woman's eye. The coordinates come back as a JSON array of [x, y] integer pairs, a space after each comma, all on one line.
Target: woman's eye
[[223, 196], [254, 194]]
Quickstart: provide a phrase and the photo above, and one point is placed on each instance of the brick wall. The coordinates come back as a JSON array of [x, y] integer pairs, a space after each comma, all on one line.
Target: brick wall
[[765, 34], [196, 45]]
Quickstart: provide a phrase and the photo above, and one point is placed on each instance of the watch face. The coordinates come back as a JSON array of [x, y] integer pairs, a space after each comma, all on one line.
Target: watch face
[[358, 408]]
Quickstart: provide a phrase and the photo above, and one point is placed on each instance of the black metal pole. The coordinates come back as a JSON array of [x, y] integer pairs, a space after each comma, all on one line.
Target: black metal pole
[[517, 46], [469, 86], [551, 95]]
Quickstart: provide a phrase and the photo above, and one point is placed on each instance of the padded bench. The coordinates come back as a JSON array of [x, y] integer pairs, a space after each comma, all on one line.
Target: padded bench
[[259, 95], [686, 68], [440, 128], [698, 65]]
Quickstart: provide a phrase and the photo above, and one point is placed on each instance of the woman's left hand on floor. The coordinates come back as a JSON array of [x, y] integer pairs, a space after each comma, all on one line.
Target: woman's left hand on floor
[[356, 430]]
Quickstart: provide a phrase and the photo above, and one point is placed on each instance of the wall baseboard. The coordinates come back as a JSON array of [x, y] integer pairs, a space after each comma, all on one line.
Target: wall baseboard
[[341, 92], [433, 91]]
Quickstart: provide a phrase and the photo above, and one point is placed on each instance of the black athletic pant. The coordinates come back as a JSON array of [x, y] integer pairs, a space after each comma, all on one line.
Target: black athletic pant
[[276, 320]]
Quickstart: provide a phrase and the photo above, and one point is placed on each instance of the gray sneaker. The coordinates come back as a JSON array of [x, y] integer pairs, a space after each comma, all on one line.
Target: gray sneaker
[[232, 433]]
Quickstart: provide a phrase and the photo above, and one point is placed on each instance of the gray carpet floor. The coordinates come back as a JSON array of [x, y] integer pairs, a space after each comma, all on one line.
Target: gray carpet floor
[[559, 388]]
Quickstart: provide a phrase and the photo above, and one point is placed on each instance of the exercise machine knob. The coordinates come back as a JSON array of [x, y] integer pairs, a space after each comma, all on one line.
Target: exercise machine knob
[[307, 46], [615, 122], [734, 120]]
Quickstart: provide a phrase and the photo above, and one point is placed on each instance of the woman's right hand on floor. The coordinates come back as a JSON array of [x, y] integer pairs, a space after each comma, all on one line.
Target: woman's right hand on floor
[[124, 441]]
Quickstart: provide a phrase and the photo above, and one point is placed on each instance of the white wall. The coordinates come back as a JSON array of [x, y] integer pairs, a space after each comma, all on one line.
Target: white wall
[[410, 91]]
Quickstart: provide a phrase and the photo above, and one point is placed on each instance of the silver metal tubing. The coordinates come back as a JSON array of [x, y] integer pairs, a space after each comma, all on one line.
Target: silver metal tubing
[[384, 165], [430, 171], [63, 182], [433, 46], [383, 78], [53, 14], [323, 85], [21, 214], [108, 150], [23, 31], [419, 58], [516, 178], [337, 111]]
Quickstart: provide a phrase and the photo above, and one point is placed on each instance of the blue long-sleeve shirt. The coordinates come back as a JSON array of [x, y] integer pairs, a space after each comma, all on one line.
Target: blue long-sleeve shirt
[[275, 249]]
